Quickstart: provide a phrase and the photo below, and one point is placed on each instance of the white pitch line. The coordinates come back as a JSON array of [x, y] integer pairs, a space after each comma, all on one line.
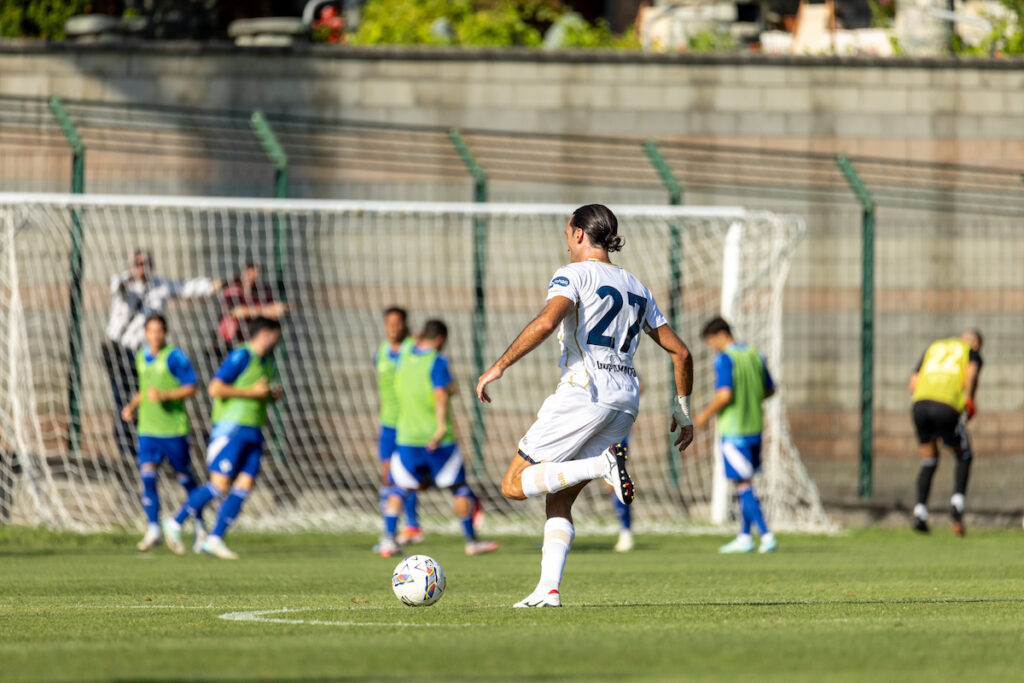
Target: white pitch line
[[260, 616]]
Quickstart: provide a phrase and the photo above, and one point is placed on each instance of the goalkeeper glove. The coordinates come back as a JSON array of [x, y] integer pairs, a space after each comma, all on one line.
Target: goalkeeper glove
[[970, 408]]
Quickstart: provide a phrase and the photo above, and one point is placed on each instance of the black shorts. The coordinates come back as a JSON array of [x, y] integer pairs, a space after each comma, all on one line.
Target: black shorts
[[934, 420]]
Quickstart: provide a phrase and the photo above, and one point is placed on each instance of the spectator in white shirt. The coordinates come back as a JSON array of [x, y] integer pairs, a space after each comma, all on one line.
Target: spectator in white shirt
[[135, 295]]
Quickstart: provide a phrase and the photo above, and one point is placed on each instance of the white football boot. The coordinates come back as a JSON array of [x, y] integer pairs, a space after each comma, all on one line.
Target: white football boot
[[388, 547], [152, 539], [625, 542], [617, 476], [214, 545], [197, 542], [539, 598], [740, 544], [481, 547], [172, 536]]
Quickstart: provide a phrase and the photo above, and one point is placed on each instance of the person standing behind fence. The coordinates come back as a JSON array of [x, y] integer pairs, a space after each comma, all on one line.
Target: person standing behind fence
[[135, 295], [943, 387], [242, 301]]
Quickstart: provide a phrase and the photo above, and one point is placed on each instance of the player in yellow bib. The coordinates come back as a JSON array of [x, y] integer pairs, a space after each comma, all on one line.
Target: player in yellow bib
[[943, 388], [166, 379]]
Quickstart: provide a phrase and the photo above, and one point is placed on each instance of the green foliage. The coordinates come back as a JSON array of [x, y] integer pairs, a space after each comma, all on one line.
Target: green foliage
[[492, 23], [711, 41], [38, 18], [1005, 38], [599, 35], [883, 13]]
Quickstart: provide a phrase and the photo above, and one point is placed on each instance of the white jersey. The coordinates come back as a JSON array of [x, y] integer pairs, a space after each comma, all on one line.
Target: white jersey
[[601, 334]]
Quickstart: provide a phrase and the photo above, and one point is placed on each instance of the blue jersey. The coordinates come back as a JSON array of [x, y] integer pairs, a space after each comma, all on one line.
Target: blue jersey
[[233, 366]]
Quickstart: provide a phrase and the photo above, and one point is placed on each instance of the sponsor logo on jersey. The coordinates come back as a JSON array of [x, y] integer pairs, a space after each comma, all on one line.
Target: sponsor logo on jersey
[[613, 367], [560, 281]]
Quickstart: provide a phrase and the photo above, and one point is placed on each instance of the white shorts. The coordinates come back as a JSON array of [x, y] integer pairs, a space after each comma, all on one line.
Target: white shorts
[[570, 425]]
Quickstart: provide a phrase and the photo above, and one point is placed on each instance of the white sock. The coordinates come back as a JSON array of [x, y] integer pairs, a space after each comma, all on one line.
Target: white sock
[[768, 537], [920, 511], [558, 535], [743, 537], [957, 501], [549, 477], [153, 529]]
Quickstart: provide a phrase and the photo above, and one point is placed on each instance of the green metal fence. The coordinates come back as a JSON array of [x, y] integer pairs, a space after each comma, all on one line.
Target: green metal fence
[[887, 263]]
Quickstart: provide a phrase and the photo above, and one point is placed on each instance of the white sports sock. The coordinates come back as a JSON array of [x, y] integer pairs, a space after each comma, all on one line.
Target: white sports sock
[[549, 477], [558, 536], [957, 501], [920, 511]]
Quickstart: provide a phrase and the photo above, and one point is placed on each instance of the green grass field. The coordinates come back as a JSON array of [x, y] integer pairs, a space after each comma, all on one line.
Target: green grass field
[[870, 605]]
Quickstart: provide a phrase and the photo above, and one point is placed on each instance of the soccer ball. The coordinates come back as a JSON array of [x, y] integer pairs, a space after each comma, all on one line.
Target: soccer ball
[[418, 581]]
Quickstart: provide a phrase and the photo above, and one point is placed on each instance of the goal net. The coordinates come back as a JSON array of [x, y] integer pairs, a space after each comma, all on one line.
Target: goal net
[[482, 268]]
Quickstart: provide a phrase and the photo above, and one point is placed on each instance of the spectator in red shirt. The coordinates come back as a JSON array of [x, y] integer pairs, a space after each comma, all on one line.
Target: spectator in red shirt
[[244, 300]]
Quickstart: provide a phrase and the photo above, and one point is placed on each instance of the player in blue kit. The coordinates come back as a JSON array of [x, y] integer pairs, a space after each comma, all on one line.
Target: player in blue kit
[[385, 360], [242, 390], [166, 379], [427, 452], [742, 382]]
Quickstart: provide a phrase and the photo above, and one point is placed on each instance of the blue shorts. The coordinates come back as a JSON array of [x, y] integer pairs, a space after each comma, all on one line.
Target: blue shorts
[[416, 467], [386, 446], [155, 449], [742, 456], [234, 449]]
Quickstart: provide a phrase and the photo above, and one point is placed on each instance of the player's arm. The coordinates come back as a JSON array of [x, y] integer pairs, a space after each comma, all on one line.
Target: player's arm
[[539, 329], [178, 394], [128, 412], [221, 389], [274, 309], [182, 371], [719, 401], [912, 384], [441, 401], [971, 386], [194, 288], [682, 369]]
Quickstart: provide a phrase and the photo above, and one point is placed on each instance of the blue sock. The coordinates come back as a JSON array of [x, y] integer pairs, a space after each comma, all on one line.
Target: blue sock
[[150, 498], [385, 493], [188, 482], [752, 511], [412, 515], [390, 525], [229, 509], [464, 492], [197, 500], [622, 512]]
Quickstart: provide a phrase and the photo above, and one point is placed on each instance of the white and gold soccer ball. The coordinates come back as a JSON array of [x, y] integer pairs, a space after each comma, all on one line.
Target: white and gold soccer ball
[[418, 581]]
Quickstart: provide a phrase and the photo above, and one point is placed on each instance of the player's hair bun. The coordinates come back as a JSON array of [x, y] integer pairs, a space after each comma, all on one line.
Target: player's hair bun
[[599, 224]]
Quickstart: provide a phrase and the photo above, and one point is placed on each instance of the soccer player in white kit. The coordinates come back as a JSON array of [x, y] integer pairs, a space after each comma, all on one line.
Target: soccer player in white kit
[[599, 310]]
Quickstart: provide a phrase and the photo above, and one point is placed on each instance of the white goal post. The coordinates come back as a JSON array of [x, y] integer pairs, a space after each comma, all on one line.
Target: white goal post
[[482, 268]]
